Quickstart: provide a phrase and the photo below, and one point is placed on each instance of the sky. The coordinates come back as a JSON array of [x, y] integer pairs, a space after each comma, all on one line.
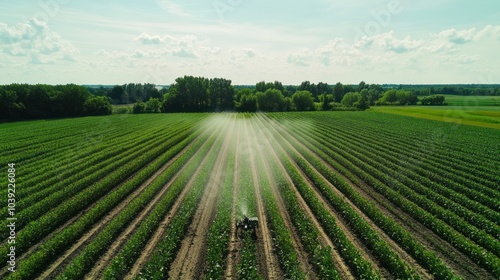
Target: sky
[[247, 41]]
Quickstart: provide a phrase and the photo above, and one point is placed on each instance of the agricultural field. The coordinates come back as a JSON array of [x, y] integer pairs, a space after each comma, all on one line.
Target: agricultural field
[[338, 195], [472, 101], [483, 116]]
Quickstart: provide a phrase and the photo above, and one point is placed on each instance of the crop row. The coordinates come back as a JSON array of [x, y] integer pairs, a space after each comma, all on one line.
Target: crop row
[[348, 165], [166, 249], [84, 262], [247, 268], [387, 177], [362, 229], [360, 267], [82, 193], [282, 236], [64, 154], [218, 235], [436, 167], [320, 256], [101, 164], [385, 164], [40, 135], [426, 169], [63, 239], [429, 142]]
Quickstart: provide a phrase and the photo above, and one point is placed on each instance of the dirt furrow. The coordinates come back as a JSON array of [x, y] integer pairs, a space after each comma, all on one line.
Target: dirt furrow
[[342, 268], [188, 263], [302, 255], [394, 246], [234, 242], [266, 256], [114, 249], [454, 259], [90, 234]]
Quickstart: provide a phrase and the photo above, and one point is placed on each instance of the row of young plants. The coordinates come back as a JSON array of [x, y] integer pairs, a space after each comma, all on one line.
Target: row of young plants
[[93, 169], [443, 210], [466, 192], [157, 267], [425, 257], [83, 263], [36, 135], [63, 239], [361, 228], [450, 147], [282, 236], [350, 167], [459, 135], [320, 257], [247, 267], [442, 163], [72, 197], [359, 266], [64, 140], [219, 233], [65, 156], [480, 216]]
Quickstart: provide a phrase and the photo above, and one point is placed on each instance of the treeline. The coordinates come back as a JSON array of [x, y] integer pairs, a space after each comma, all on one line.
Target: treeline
[[128, 93], [199, 94], [463, 90], [23, 101]]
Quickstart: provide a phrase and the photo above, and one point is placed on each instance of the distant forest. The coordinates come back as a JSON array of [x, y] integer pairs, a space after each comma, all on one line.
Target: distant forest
[[199, 94]]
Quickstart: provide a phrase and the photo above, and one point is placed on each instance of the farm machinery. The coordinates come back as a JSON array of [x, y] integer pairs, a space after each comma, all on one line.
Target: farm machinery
[[247, 223]]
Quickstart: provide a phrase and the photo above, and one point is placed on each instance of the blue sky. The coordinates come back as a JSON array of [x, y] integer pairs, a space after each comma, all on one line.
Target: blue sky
[[247, 41]]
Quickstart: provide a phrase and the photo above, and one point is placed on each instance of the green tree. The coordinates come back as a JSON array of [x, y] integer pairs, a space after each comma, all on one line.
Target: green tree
[[221, 94], [362, 103], [97, 105], [153, 105], [271, 100], [325, 100], [433, 100], [247, 102], [139, 108], [118, 95], [362, 85], [303, 100], [350, 99], [338, 93], [9, 106], [69, 100]]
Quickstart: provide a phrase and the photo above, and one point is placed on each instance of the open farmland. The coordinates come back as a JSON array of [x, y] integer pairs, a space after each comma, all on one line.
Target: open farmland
[[338, 195]]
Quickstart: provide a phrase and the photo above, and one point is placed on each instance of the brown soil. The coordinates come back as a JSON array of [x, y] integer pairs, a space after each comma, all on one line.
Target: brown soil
[[343, 224], [114, 249], [268, 261], [235, 244], [458, 262], [188, 263], [301, 253], [69, 254]]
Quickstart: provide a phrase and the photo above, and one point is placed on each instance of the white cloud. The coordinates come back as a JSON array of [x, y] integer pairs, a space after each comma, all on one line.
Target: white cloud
[[35, 41], [388, 42], [147, 39], [458, 36], [404, 57]]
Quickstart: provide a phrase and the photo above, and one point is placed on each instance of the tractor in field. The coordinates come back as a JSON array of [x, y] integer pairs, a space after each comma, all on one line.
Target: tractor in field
[[247, 223]]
